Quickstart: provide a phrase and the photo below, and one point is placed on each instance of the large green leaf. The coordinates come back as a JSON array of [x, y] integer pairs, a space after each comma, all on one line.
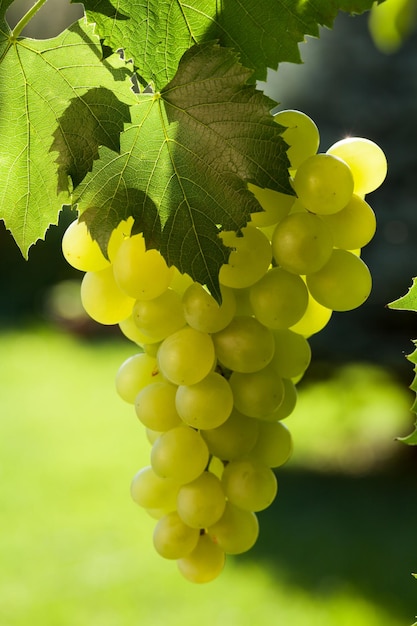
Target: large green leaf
[[409, 303], [156, 33], [185, 162], [40, 145]]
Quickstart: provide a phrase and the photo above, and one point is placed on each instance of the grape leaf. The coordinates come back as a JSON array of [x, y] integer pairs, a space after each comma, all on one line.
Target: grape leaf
[[39, 80], [185, 162], [156, 33], [409, 303]]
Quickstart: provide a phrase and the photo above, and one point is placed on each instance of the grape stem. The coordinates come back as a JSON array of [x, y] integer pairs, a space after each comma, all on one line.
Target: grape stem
[[26, 18]]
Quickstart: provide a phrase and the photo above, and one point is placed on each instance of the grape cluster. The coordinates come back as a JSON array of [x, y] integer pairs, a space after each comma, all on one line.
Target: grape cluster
[[212, 383]]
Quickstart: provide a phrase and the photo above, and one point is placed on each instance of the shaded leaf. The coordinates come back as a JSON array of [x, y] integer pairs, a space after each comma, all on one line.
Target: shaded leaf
[[189, 153]]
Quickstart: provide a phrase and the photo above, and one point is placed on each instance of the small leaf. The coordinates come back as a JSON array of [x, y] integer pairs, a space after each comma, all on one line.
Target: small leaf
[[185, 162], [407, 302]]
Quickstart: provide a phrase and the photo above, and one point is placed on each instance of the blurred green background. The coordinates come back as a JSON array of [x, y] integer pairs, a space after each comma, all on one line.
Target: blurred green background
[[339, 544]]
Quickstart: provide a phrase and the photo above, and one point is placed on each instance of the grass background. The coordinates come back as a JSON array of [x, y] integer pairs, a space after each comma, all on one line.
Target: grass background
[[337, 546]]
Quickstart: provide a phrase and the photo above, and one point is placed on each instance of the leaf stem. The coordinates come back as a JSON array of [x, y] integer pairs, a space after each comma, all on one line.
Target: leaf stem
[[26, 18]]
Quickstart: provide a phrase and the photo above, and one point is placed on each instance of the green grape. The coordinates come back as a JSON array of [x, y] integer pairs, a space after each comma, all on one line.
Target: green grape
[[274, 444], [243, 305], [159, 317], [102, 299], [134, 374], [314, 319], [250, 258], [132, 332], [302, 243], [203, 313], [201, 503], [207, 404], [117, 237], [279, 299], [366, 161], [275, 206], [140, 273], [245, 345], [257, 394], [249, 484], [236, 531], [353, 226], [302, 135], [292, 354], [81, 250], [152, 435], [344, 283], [150, 491], [324, 183], [215, 466], [204, 563], [180, 282], [179, 453], [155, 406], [186, 356], [172, 538], [234, 438], [287, 406]]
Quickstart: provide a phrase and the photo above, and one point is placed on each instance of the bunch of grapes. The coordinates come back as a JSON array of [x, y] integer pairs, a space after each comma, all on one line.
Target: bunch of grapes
[[212, 383]]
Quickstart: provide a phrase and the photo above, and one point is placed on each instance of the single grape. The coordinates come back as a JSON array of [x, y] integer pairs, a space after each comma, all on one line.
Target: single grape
[[234, 438], [201, 502], [245, 345], [353, 226], [323, 183], [236, 531], [274, 444], [275, 206], [102, 299], [134, 374], [302, 243], [150, 491], [344, 283], [203, 313], [159, 317], [279, 299], [179, 453], [172, 538], [243, 305], [257, 394], [366, 161], [288, 405], [249, 484], [186, 356], [301, 134], [81, 250], [314, 319], [206, 404], [292, 354], [132, 332], [140, 273], [249, 259], [204, 563], [155, 406]]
